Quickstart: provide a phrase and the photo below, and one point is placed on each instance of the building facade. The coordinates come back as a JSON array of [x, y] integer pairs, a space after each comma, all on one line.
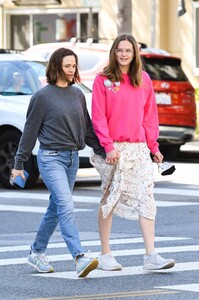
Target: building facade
[[155, 22]]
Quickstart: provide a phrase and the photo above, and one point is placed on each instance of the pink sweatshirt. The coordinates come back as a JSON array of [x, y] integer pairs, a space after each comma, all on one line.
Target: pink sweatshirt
[[123, 113]]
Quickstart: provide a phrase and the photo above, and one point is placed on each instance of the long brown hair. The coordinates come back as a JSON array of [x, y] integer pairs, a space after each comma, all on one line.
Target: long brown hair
[[112, 70], [54, 68]]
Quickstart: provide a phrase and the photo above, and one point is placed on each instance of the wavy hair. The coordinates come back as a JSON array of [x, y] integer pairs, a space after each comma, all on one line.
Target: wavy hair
[[54, 68], [112, 70]]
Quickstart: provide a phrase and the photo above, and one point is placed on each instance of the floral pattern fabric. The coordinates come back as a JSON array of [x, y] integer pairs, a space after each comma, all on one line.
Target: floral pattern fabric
[[127, 188]]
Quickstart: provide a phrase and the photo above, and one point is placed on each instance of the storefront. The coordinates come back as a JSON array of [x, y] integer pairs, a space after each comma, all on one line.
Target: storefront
[[172, 25], [29, 22]]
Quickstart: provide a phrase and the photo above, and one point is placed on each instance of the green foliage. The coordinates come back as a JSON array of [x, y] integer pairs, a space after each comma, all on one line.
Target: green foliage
[[197, 94], [197, 107]]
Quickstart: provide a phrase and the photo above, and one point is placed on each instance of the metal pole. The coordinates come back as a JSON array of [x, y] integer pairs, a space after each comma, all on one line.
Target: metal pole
[[90, 22]]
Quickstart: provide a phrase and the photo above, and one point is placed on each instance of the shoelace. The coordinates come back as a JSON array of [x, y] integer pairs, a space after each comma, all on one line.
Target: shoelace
[[43, 259], [88, 254]]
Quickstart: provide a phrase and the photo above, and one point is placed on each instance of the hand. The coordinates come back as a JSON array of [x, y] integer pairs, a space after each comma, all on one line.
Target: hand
[[158, 157], [112, 157], [16, 173]]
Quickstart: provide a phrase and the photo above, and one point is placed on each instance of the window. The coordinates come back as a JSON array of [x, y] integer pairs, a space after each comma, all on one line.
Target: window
[[30, 29], [196, 37], [164, 69]]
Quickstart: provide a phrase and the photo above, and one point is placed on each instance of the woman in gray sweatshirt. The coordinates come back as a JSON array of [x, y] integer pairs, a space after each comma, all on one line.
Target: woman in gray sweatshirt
[[58, 117]]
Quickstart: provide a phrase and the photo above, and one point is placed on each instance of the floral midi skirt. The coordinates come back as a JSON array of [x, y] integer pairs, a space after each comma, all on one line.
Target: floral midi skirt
[[127, 188]]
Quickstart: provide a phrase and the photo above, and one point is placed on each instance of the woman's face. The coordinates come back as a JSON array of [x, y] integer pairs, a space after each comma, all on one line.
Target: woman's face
[[124, 54], [69, 66]]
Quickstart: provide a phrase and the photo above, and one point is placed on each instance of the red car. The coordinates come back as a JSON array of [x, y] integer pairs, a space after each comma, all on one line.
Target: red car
[[174, 94], [175, 98]]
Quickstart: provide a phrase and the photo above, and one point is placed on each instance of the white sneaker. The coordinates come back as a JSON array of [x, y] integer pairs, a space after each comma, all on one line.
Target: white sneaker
[[39, 262], [155, 262], [108, 262]]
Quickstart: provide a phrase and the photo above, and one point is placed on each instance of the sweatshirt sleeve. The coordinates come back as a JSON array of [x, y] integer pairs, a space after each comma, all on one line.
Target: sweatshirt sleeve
[[99, 118], [91, 138], [151, 122], [30, 133]]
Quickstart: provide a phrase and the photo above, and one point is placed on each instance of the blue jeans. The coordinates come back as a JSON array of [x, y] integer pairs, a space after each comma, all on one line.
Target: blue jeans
[[58, 170]]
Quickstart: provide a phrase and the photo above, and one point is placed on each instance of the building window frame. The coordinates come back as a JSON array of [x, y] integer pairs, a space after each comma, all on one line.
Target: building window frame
[[196, 38], [26, 11]]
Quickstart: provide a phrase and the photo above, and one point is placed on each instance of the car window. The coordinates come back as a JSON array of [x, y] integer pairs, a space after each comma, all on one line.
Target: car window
[[165, 68], [15, 74], [39, 68], [86, 59]]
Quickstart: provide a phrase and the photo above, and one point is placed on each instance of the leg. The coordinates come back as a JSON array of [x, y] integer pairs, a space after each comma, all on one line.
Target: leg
[[106, 260], [46, 228], [104, 231], [50, 219], [58, 170], [148, 232], [152, 260]]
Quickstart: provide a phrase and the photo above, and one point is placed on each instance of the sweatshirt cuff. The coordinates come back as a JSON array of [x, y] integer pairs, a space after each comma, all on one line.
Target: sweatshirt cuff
[[154, 150], [109, 148], [19, 165]]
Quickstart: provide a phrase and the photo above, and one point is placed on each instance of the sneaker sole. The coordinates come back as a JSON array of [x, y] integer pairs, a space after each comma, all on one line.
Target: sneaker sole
[[90, 267], [118, 268], [168, 265], [39, 270]]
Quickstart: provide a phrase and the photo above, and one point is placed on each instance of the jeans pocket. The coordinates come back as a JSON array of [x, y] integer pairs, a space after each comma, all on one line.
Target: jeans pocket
[[50, 152]]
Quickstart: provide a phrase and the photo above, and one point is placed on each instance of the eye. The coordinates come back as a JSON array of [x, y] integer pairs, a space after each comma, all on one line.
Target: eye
[[125, 51], [129, 51]]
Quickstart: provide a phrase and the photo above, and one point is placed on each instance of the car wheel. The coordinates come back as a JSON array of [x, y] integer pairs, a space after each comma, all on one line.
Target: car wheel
[[170, 152], [8, 146]]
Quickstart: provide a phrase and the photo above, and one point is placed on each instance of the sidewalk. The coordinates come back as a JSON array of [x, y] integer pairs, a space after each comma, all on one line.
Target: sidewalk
[[191, 146]]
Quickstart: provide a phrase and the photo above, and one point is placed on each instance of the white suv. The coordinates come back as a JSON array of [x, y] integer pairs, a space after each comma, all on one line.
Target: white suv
[[13, 107]]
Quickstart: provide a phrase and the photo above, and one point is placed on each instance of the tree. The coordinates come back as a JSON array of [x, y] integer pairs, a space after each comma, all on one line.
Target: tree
[[124, 16]]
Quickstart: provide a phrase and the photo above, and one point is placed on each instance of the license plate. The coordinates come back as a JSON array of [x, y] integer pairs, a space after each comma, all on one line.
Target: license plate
[[163, 98]]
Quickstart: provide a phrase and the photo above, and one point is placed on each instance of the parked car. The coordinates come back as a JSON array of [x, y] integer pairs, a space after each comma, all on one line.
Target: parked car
[[18, 82], [15, 69], [175, 99], [92, 57], [174, 93]]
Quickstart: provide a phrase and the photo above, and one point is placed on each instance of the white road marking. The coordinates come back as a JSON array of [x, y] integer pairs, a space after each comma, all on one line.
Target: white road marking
[[45, 196], [80, 199], [193, 287], [32, 209], [126, 271], [180, 192], [126, 252], [93, 243]]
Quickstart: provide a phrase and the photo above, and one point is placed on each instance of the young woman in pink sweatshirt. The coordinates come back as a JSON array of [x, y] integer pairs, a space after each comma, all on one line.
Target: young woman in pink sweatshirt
[[125, 119]]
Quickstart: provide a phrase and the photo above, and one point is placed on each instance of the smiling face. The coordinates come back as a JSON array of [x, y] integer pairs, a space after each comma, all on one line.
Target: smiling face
[[124, 55]]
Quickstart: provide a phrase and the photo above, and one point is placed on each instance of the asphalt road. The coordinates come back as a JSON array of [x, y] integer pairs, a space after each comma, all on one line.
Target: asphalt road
[[177, 236]]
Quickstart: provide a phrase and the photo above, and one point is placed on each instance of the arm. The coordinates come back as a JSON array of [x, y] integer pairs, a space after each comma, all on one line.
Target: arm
[[91, 138], [99, 118], [30, 133], [150, 120]]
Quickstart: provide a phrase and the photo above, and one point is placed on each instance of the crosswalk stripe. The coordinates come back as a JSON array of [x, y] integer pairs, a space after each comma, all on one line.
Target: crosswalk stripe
[[80, 199], [126, 252], [193, 287], [126, 271], [45, 196], [93, 243], [32, 209], [180, 192]]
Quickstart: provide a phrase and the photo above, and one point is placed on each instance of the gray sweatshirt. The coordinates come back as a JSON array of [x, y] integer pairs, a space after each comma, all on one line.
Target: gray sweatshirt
[[58, 117]]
